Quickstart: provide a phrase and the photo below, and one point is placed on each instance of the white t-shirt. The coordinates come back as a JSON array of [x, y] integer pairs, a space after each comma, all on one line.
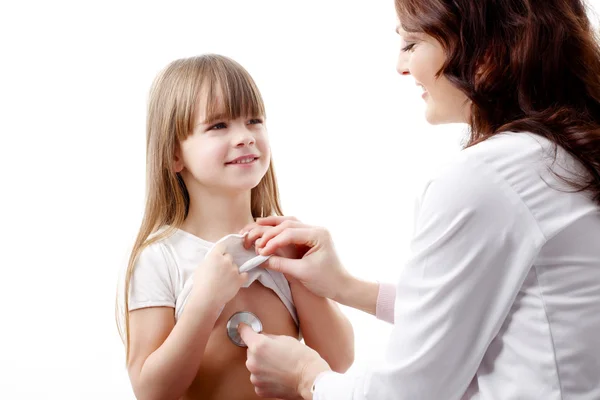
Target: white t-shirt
[[164, 272], [501, 297]]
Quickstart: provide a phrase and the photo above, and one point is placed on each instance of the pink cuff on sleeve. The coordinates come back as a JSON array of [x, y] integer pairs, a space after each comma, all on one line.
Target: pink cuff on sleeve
[[385, 302]]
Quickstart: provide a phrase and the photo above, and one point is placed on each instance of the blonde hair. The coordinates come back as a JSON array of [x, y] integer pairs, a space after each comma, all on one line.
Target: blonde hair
[[171, 116]]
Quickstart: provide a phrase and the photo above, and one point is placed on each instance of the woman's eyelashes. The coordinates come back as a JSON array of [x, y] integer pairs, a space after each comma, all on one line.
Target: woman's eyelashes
[[410, 41], [409, 47]]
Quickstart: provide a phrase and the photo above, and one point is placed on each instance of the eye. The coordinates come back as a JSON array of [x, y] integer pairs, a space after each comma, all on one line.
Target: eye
[[409, 47], [255, 121], [220, 125]]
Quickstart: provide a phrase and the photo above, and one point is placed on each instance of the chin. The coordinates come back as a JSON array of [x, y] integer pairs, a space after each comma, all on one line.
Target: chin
[[431, 118], [244, 182], [434, 118], [243, 186]]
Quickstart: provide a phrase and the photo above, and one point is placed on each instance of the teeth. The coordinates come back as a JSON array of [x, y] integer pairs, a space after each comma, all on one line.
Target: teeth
[[244, 161]]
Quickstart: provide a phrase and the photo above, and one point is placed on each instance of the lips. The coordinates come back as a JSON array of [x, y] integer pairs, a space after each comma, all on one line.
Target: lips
[[425, 93]]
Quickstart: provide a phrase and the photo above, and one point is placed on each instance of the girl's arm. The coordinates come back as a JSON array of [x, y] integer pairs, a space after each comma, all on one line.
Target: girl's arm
[[164, 356], [324, 327]]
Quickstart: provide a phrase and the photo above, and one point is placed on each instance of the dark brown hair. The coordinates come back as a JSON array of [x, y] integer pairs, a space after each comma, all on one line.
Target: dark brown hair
[[526, 65]]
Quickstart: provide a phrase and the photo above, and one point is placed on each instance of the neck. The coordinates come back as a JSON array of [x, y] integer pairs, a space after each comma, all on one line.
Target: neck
[[214, 214]]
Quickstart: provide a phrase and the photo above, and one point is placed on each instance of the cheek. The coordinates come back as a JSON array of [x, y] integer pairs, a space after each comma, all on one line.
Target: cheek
[[262, 144], [201, 152], [457, 100], [425, 62], [420, 69], [265, 150]]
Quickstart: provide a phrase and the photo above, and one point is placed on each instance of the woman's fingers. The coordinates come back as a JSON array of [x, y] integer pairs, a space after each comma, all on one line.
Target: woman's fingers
[[255, 230], [274, 231], [293, 269], [275, 220], [267, 221], [278, 364], [248, 335], [278, 238], [253, 233]]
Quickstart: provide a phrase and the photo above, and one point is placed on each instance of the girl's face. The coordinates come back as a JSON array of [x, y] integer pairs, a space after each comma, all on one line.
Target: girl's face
[[224, 155], [422, 57]]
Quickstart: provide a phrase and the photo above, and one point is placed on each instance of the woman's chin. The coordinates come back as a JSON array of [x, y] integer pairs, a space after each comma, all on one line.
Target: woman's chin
[[435, 118], [431, 117]]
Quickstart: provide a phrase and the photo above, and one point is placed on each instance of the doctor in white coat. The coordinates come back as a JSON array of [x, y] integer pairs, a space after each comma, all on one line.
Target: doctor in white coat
[[501, 297]]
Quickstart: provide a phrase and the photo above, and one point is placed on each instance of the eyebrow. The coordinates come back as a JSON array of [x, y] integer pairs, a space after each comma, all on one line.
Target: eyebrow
[[215, 118]]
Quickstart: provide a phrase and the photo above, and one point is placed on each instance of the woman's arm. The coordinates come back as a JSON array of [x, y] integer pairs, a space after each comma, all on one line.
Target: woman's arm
[[474, 244], [286, 239], [164, 356], [324, 327], [371, 297]]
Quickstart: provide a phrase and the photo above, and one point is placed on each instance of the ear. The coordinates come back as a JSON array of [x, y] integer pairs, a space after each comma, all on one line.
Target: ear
[[177, 160]]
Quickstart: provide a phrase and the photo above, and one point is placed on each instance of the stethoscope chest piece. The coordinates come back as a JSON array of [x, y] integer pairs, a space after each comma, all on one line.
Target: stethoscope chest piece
[[238, 318]]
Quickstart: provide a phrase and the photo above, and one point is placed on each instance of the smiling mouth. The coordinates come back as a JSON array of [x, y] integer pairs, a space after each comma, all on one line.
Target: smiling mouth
[[245, 160]]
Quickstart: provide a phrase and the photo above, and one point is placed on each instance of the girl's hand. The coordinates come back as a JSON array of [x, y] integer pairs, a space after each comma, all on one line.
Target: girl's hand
[[219, 276]]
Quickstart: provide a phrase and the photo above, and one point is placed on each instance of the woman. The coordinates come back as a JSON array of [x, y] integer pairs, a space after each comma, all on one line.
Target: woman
[[501, 298]]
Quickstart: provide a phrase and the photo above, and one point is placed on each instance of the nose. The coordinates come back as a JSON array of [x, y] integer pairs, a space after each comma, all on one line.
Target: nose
[[244, 138], [402, 64]]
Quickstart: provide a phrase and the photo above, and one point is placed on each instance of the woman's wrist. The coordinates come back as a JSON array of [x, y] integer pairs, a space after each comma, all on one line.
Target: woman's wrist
[[359, 294], [309, 375]]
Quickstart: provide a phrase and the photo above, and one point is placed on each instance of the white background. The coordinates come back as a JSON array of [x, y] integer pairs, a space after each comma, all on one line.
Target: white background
[[350, 145]]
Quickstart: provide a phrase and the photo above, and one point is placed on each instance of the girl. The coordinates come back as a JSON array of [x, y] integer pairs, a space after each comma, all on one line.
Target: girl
[[209, 173]]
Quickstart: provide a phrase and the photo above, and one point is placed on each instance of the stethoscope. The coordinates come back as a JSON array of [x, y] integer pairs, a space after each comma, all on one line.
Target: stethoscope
[[245, 317]]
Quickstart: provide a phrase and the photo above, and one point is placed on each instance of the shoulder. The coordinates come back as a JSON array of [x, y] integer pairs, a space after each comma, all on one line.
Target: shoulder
[[479, 184], [466, 180], [158, 255], [534, 171], [154, 277], [152, 253], [507, 164], [167, 243]]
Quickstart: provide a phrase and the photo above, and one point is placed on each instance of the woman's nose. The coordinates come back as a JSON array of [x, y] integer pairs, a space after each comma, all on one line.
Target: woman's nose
[[402, 64], [402, 68]]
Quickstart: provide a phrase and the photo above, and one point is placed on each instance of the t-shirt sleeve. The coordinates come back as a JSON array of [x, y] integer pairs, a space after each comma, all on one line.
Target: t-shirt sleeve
[[152, 280]]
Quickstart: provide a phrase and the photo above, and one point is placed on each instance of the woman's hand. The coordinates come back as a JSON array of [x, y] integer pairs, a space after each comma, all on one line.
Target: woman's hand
[[255, 231], [318, 267], [281, 366]]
